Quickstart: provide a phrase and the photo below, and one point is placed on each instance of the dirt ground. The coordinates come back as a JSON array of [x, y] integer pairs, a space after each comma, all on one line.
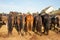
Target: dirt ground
[[3, 35]]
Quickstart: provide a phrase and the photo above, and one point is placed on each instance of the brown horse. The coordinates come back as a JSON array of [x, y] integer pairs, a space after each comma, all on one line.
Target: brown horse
[[18, 24], [29, 22]]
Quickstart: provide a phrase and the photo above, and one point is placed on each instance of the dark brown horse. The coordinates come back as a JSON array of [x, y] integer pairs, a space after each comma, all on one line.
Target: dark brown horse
[[11, 22], [46, 23], [17, 24], [38, 24]]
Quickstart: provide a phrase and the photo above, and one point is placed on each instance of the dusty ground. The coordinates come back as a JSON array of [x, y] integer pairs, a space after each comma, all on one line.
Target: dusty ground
[[3, 35]]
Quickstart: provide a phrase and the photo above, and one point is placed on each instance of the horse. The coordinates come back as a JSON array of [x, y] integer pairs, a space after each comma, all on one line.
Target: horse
[[54, 21], [46, 23], [10, 28], [58, 23], [38, 24], [11, 22], [29, 23]]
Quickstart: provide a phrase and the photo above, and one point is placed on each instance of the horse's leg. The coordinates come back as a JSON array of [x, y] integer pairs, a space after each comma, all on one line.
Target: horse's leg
[[40, 30], [47, 28], [50, 26], [23, 25], [10, 30], [18, 29], [31, 24], [27, 27], [33, 28], [54, 26]]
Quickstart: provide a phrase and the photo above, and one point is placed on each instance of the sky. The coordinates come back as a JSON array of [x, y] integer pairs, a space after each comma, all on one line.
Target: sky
[[27, 5]]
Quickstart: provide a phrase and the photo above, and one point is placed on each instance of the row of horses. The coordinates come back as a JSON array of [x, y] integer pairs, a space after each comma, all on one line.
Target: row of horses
[[33, 23]]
